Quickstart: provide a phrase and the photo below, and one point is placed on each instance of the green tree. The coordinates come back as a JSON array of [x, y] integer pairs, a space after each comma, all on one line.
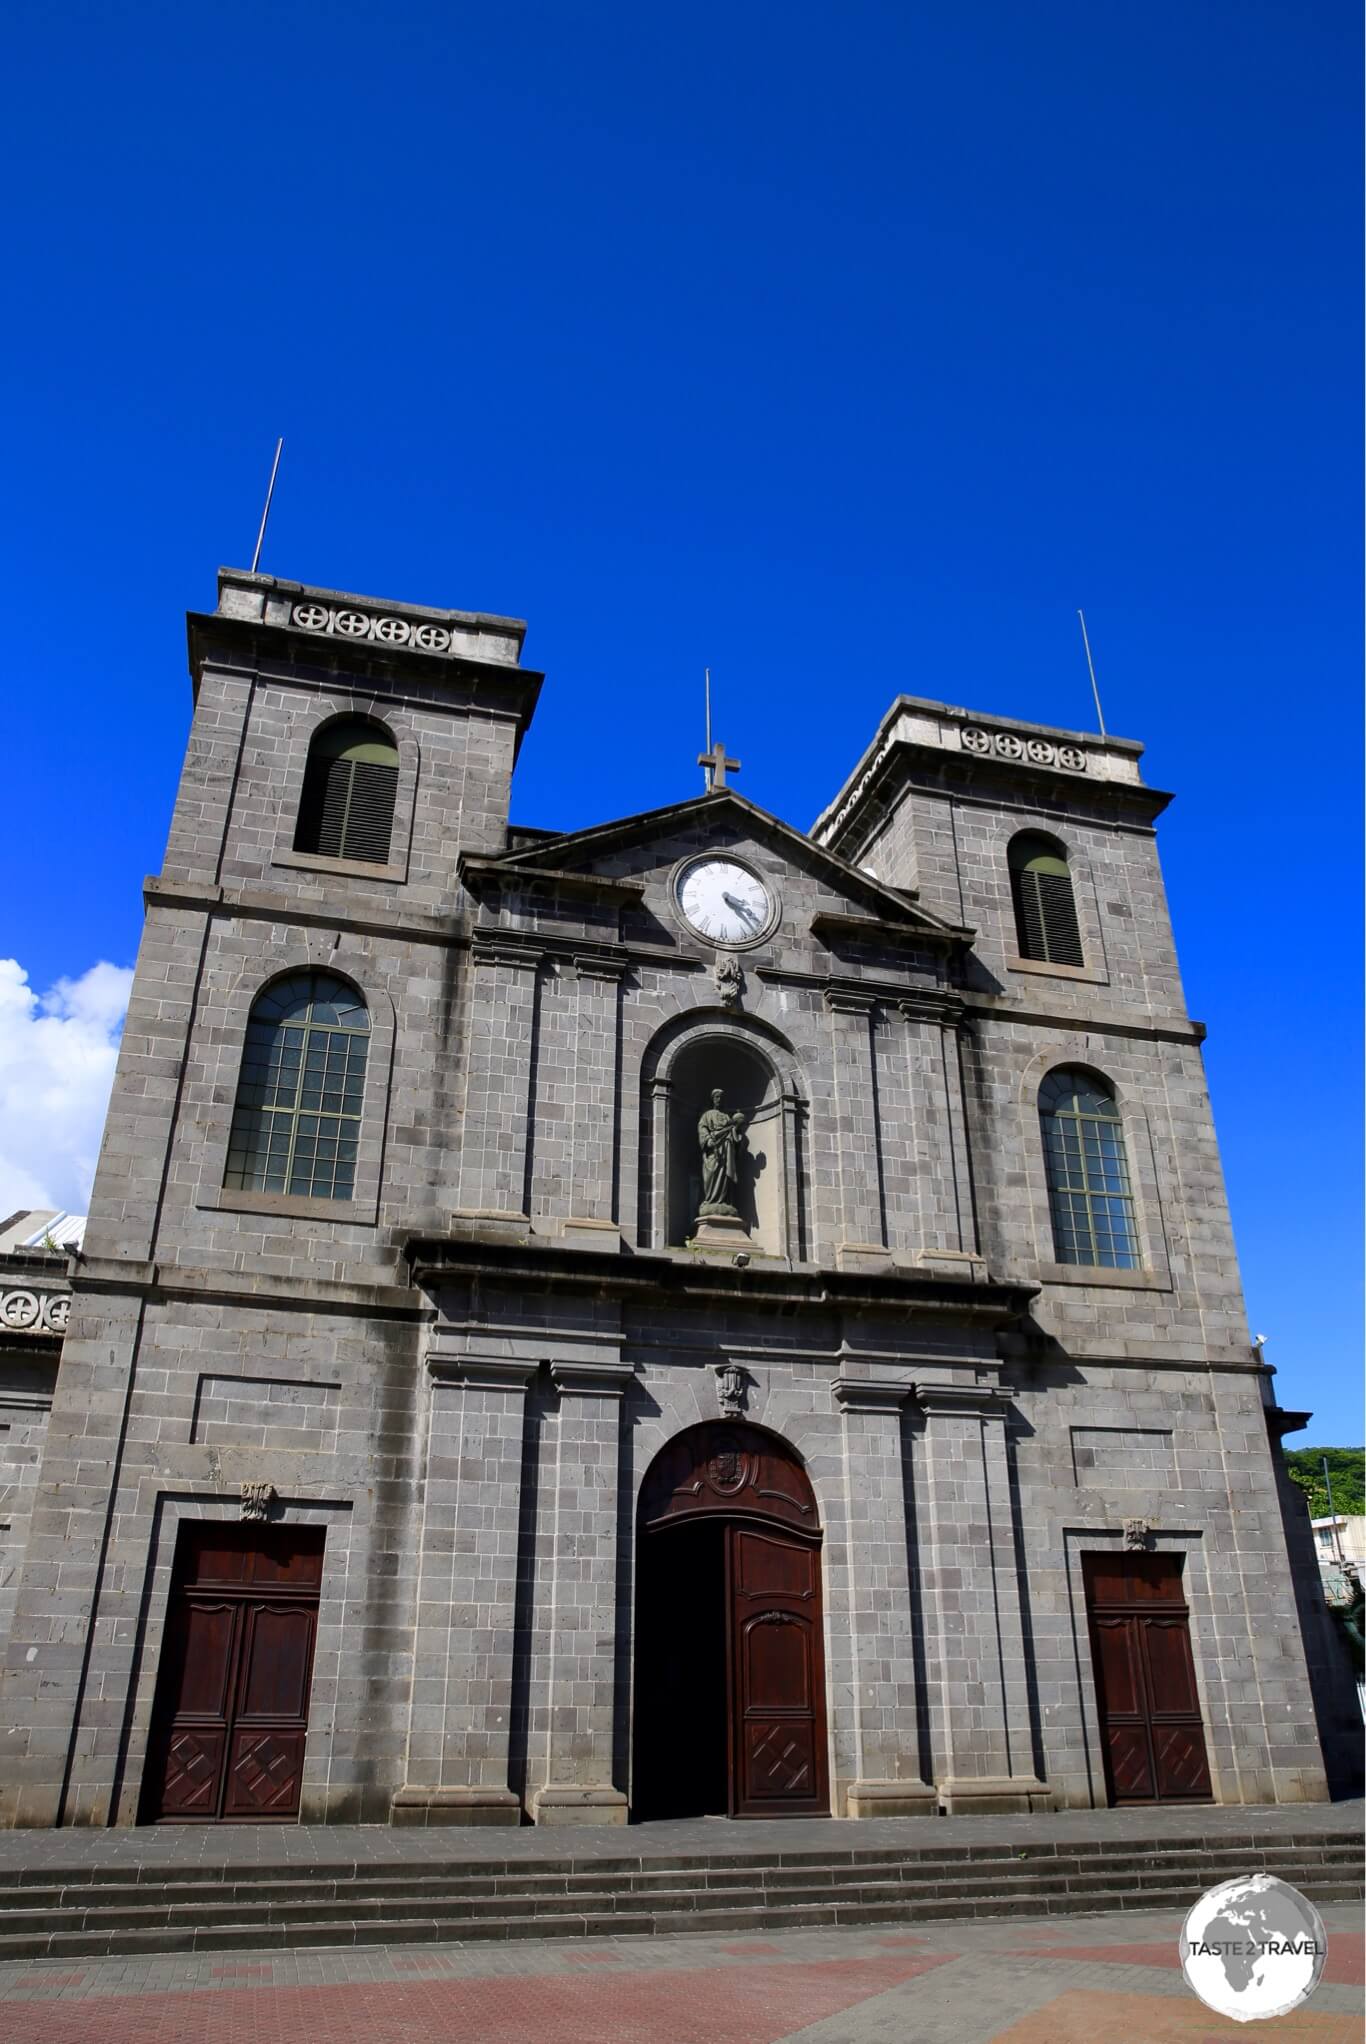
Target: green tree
[[1346, 1467]]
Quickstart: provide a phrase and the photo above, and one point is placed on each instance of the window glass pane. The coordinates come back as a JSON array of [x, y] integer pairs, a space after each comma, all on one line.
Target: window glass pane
[[1087, 1173], [296, 1121]]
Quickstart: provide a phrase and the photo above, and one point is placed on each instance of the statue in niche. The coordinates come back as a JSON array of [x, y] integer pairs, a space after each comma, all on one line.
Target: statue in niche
[[720, 1137]]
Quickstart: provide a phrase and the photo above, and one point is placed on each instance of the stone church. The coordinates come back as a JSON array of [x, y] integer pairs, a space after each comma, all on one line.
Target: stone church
[[687, 1316]]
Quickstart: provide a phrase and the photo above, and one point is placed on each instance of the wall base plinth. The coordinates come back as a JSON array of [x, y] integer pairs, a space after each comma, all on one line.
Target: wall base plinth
[[454, 1806], [993, 1795], [558, 1804], [891, 1799]]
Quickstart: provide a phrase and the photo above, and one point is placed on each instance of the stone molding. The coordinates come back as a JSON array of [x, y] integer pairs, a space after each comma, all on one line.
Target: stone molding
[[869, 1394], [483, 1373], [591, 1380], [963, 1401]]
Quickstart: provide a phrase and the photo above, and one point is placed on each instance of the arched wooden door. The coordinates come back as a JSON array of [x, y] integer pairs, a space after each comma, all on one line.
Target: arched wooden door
[[730, 1667]]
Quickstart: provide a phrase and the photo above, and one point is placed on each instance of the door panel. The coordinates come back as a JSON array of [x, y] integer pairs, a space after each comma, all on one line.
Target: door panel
[[1129, 1760], [777, 1674], [191, 1768], [1170, 1670], [1118, 1672], [776, 1663], [278, 1661], [202, 1642], [265, 1773]]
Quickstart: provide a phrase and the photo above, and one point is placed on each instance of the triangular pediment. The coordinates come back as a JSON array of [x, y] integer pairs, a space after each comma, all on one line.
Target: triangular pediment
[[617, 854]]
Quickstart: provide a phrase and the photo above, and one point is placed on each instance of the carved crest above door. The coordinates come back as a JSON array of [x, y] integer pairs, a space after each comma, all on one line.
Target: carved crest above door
[[728, 1466]]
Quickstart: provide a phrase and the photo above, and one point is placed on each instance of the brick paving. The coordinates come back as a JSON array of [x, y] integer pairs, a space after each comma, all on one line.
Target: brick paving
[[1098, 1980]]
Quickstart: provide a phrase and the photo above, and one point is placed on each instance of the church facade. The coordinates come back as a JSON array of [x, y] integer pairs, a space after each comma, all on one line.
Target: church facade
[[683, 1316]]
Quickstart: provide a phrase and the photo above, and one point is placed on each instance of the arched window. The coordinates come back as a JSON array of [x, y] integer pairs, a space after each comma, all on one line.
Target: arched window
[[347, 808], [297, 1118], [1045, 908], [1088, 1175]]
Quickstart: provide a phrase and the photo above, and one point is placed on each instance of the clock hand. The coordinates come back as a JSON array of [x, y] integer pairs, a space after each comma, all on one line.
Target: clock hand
[[741, 908]]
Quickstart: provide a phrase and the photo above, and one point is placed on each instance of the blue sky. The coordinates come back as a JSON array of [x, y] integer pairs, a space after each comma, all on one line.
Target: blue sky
[[847, 350]]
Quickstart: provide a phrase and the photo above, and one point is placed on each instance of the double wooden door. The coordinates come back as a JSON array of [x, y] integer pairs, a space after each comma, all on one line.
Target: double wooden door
[[231, 1712], [730, 1683], [1153, 1735]]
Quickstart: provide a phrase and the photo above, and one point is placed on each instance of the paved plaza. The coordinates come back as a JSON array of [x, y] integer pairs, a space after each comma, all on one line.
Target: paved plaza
[[1089, 1980]]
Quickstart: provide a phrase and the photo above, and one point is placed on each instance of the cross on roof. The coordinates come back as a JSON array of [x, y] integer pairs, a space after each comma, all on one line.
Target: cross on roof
[[715, 764]]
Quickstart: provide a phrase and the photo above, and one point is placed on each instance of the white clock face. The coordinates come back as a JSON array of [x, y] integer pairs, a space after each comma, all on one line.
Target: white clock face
[[723, 901]]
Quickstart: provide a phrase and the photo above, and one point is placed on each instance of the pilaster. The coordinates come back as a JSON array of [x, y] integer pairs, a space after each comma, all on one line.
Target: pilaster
[[458, 1739], [861, 1241], [979, 1678], [583, 1597], [592, 1220], [495, 1131], [889, 1780]]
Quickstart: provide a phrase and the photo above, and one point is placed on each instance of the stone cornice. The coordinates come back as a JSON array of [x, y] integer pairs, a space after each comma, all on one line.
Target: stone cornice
[[592, 1380], [1093, 1021], [868, 1394], [483, 875], [963, 1401], [831, 923], [483, 1373], [535, 1267]]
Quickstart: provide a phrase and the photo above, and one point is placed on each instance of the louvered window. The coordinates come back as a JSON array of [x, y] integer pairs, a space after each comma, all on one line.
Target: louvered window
[[296, 1123], [1045, 907], [1088, 1172], [347, 811]]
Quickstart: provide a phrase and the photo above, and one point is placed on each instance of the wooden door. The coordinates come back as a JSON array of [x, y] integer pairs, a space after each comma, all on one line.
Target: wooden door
[[231, 1712], [730, 1674], [1151, 1729], [777, 1675]]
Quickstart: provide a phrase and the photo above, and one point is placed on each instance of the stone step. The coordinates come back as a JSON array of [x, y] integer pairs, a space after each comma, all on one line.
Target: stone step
[[461, 1914], [421, 1883], [145, 1872], [430, 1928]]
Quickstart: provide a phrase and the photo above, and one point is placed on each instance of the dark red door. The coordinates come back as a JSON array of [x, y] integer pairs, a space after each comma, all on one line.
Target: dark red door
[[1151, 1728], [777, 1675], [730, 1678], [231, 1712]]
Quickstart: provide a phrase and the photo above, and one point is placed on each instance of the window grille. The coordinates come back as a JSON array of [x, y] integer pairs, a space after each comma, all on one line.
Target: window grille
[[1088, 1173], [296, 1123], [1045, 906], [350, 782]]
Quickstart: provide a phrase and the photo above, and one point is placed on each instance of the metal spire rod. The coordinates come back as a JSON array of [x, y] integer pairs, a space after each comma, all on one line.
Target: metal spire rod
[[270, 492], [1091, 668]]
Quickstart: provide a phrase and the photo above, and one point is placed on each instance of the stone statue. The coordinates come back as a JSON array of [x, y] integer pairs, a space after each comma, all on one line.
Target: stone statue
[[719, 1137]]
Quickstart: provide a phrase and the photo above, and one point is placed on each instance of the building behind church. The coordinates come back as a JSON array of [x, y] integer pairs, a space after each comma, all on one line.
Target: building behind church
[[682, 1316]]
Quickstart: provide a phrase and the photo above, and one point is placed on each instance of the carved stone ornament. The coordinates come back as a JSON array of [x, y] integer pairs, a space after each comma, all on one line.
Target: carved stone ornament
[[1138, 1533], [360, 624], [257, 1499], [731, 1385], [728, 979], [35, 1312]]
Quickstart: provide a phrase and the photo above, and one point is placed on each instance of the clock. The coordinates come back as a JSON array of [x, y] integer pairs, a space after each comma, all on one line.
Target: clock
[[723, 901]]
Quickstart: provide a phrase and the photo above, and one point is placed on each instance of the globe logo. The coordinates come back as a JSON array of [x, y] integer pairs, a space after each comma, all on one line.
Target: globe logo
[[1253, 1948]]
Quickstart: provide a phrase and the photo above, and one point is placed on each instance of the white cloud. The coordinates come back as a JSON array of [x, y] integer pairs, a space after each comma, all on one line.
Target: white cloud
[[57, 1056]]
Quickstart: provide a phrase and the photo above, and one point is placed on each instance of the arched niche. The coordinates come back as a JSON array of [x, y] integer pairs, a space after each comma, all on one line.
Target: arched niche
[[755, 1077]]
